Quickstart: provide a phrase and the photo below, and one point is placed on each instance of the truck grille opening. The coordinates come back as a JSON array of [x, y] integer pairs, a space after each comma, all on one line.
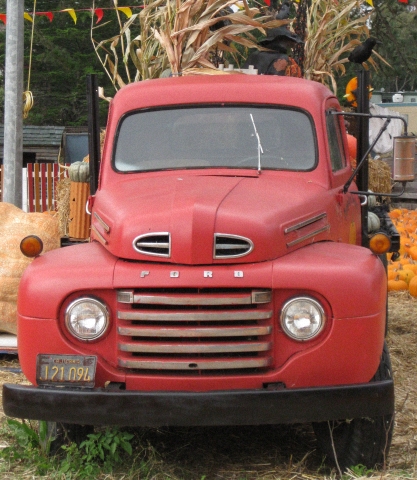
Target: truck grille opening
[[231, 246], [195, 332], [156, 244]]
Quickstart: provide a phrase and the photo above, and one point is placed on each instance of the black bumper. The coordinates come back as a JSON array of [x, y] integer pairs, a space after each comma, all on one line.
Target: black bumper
[[154, 409]]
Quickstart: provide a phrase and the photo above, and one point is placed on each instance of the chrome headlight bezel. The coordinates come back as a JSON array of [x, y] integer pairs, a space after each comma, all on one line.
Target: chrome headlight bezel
[[76, 325], [312, 323]]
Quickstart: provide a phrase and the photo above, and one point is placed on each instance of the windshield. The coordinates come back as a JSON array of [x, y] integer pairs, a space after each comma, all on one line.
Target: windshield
[[220, 136]]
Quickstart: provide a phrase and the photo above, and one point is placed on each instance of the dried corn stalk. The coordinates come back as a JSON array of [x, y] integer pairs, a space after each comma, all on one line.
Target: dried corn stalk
[[178, 35], [333, 30]]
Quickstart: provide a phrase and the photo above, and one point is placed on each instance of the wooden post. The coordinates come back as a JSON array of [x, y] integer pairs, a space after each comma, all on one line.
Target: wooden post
[[79, 220]]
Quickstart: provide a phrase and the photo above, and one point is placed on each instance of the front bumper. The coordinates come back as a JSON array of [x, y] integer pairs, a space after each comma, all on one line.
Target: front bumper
[[154, 409]]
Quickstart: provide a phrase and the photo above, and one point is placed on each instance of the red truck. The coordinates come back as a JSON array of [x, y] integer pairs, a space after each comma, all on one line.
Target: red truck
[[226, 281]]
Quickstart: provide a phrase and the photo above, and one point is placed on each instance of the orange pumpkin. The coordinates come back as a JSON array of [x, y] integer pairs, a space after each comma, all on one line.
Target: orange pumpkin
[[412, 286], [405, 275], [397, 284]]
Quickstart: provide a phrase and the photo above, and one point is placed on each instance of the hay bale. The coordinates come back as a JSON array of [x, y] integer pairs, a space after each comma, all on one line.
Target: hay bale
[[379, 176], [15, 224], [63, 188]]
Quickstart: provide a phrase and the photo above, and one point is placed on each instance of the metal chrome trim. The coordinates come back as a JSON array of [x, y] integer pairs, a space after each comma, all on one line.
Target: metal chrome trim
[[102, 222], [199, 364], [305, 222], [305, 237], [195, 316], [166, 245], [87, 337], [302, 299], [100, 237], [181, 332], [255, 297], [195, 347], [231, 246]]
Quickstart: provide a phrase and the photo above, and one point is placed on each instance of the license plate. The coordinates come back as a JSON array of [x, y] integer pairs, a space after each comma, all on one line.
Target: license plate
[[68, 370]]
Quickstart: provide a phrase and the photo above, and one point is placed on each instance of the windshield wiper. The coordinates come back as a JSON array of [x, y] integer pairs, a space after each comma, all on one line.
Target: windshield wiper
[[260, 149]]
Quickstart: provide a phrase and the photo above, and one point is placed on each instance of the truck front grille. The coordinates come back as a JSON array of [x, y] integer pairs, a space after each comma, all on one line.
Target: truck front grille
[[195, 332]]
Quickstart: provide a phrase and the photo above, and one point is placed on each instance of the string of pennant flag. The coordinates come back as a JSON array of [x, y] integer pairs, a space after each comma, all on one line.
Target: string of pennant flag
[[98, 12]]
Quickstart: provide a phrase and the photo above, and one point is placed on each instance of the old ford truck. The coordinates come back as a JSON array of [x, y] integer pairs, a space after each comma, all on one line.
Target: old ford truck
[[226, 280]]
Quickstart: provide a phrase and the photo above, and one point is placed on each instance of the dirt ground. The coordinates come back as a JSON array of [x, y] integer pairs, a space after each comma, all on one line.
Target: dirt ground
[[283, 452]]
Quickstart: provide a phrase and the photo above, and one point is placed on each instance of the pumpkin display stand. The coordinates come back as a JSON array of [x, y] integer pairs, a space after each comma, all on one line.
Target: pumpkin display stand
[[79, 220]]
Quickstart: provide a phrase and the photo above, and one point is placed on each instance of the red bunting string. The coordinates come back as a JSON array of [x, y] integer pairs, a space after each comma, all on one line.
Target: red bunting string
[[98, 12]]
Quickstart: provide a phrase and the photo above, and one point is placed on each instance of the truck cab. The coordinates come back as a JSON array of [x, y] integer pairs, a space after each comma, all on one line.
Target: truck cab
[[225, 281]]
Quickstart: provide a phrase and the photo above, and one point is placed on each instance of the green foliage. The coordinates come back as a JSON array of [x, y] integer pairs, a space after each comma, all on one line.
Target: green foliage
[[26, 446], [396, 26], [357, 471], [103, 451], [62, 56]]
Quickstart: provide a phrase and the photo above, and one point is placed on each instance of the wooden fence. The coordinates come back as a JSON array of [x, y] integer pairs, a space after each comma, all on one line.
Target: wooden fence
[[39, 181]]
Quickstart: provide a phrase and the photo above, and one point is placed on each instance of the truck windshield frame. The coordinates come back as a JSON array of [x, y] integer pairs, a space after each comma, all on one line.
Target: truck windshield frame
[[215, 136]]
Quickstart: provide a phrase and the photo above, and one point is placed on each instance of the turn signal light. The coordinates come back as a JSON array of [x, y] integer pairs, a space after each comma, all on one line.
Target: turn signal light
[[31, 246], [379, 243]]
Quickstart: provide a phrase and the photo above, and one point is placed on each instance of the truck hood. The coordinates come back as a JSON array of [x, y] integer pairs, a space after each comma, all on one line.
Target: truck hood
[[202, 219]]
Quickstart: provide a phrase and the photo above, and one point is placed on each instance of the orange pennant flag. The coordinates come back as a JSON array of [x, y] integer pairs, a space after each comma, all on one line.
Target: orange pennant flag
[[71, 11], [126, 10], [99, 14]]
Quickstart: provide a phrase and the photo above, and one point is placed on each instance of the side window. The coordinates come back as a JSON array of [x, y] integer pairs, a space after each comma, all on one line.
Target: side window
[[334, 135]]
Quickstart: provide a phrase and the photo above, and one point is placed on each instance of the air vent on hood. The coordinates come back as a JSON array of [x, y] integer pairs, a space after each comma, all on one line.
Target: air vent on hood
[[157, 244], [231, 246]]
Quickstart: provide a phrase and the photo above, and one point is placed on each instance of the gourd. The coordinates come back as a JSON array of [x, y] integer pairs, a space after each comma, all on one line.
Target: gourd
[[79, 172], [371, 200], [374, 223]]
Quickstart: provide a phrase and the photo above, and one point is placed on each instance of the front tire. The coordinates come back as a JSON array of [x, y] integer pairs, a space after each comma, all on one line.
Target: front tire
[[360, 441]]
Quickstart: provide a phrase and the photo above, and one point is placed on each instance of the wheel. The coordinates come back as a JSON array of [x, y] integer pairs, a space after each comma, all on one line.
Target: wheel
[[360, 441], [53, 435]]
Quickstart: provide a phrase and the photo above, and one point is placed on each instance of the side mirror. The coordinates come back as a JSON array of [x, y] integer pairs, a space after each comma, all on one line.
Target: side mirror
[[404, 152]]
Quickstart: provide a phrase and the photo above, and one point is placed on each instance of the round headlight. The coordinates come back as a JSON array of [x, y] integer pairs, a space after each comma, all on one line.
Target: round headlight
[[87, 318], [302, 318]]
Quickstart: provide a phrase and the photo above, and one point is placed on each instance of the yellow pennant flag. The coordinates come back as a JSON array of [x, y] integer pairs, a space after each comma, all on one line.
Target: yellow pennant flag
[[28, 17], [126, 10], [371, 3], [71, 11]]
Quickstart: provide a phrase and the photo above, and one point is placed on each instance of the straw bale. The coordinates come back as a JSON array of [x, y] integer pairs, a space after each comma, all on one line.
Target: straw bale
[[63, 189], [379, 176], [14, 226]]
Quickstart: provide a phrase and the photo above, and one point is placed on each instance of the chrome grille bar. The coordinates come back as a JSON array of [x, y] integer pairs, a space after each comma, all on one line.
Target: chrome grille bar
[[185, 316], [189, 348], [195, 332], [198, 364]]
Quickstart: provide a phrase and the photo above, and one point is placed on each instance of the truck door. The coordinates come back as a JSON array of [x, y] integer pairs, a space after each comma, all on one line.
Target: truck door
[[347, 206]]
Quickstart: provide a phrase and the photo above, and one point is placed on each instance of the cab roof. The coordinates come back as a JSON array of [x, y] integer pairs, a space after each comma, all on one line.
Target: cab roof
[[228, 88]]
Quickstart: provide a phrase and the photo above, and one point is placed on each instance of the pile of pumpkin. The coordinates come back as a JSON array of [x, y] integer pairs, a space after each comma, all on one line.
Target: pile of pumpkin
[[402, 272]]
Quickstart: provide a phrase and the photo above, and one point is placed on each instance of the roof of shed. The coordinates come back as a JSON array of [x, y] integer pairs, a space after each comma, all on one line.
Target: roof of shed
[[38, 136]]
